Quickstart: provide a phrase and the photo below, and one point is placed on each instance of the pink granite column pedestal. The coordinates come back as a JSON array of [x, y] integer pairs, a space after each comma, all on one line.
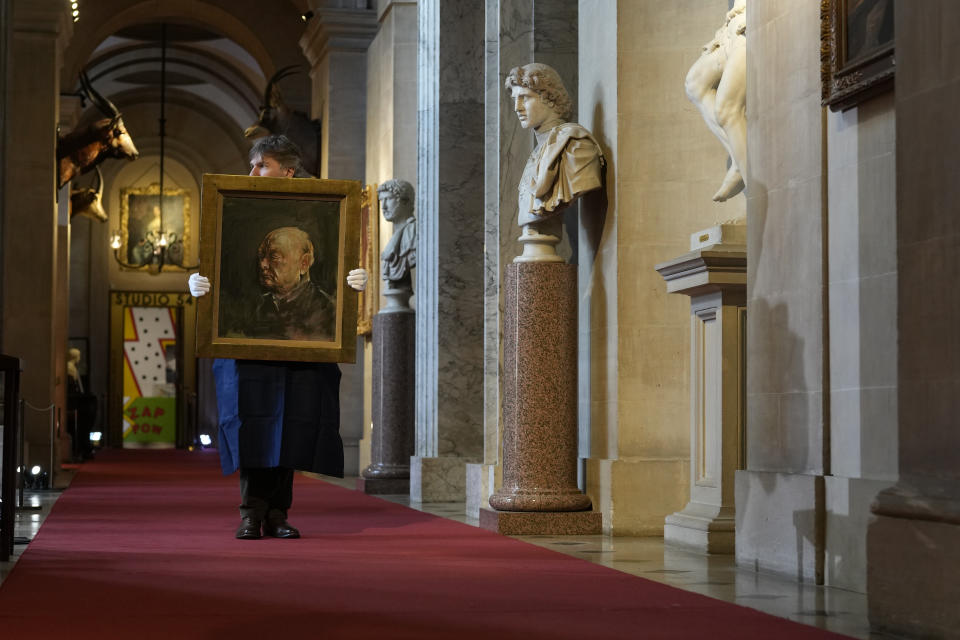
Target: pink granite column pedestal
[[393, 404], [539, 494]]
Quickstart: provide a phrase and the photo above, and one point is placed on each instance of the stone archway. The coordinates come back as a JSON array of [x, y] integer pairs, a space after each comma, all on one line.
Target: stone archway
[[84, 43]]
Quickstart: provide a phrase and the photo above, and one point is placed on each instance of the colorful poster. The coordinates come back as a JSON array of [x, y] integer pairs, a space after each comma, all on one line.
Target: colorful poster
[[149, 377]]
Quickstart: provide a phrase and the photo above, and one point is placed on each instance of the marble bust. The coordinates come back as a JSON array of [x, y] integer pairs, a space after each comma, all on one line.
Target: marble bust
[[400, 255], [565, 164], [717, 85]]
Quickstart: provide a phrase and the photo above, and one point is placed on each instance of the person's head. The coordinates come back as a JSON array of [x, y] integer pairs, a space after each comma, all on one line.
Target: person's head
[[538, 94], [284, 259], [276, 156], [73, 355], [396, 200]]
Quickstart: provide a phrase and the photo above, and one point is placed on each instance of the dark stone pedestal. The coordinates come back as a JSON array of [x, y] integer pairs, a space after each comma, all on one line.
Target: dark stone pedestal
[[541, 523], [540, 391], [384, 486], [393, 404]]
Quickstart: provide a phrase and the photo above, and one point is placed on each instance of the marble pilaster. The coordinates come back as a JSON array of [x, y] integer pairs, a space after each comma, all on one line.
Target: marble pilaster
[[335, 44], [780, 492], [32, 235], [913, 540], [449, 359], [517, 32], [714, 274]]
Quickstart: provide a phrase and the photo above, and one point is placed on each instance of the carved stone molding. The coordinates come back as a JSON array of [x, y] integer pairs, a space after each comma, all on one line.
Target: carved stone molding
[[49, 17], [338, 30]]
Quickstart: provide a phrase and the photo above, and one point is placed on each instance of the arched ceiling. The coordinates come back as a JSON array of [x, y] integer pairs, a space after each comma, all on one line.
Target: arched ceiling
[[218, 56]]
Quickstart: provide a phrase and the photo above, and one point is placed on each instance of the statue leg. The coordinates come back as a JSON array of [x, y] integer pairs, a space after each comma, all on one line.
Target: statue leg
[[701, 84], [731, 114]]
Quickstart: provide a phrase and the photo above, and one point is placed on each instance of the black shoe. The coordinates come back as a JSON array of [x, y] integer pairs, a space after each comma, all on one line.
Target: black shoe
[[280, 529], [249, 529]]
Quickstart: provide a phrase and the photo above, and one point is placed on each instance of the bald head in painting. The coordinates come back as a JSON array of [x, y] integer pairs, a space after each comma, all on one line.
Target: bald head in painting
[[292, 306]]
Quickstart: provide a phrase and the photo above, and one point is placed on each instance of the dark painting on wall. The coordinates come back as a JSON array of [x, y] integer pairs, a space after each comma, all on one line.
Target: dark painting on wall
[[141, 225], [856, 50]]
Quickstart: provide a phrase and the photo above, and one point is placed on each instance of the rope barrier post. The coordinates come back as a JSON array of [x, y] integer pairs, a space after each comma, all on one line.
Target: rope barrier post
[[54, 423], [21, 476]]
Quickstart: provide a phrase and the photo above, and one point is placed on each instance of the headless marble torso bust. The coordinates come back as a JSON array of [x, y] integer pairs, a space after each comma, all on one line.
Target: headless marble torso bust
[[565, 164]]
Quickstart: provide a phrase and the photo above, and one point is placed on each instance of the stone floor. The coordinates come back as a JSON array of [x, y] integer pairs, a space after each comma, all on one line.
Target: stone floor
[[714, 576], [36, 506]]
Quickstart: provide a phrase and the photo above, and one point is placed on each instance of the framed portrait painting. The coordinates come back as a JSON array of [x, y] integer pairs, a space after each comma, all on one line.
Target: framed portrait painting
[[369, 258], [142, 225], [277, 252], [856, 50]]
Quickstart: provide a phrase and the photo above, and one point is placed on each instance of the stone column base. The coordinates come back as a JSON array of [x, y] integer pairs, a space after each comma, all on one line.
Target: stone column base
[[773, 507], [699, 527], [481, 483], [541, 523], [438, 479], [912, 557], [635, 495], [383, 486]]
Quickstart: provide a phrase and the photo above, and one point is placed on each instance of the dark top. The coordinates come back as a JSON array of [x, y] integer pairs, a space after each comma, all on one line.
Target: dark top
[[308, 315]]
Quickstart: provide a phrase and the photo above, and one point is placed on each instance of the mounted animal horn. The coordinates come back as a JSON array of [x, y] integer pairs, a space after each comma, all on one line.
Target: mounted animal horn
[[88, 201], [108, 108], [99, 184], [276, 77]]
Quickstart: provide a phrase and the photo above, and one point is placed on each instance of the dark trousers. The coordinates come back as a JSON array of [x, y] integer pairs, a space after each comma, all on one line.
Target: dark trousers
[[267, 493]]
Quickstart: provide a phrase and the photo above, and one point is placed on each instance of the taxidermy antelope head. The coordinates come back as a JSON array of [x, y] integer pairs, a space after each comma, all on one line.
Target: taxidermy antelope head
[[277, 117], [88, 201], [80, 151]]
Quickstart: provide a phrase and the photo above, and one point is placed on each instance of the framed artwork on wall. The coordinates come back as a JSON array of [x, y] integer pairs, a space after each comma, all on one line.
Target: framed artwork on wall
[[141, 227], [369, 258], [856, 50], [277, 251]]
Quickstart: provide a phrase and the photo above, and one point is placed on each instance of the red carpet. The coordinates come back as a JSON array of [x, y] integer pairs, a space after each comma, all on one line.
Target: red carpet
[[141, 546]]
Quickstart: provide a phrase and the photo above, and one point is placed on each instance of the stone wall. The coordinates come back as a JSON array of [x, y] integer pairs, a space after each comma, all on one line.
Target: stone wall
[[663, 169], [391, 139], [914, 538], [862, 306], [779, 496], [821, 365]]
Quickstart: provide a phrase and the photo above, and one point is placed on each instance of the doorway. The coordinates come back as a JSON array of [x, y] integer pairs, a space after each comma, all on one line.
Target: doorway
[[152, 370]]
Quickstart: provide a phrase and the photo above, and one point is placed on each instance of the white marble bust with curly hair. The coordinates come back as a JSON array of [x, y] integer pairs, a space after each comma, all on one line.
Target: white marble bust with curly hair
[[565, 164]]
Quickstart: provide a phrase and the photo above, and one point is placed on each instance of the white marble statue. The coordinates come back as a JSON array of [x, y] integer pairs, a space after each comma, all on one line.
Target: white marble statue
[[400, 254], [565, 164], [717, 85]]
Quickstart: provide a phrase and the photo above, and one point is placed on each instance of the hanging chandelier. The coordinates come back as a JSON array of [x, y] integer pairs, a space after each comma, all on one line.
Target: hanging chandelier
[[159, 244]]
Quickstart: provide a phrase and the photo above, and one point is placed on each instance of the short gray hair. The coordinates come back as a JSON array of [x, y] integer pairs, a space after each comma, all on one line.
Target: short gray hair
[[283, 150]]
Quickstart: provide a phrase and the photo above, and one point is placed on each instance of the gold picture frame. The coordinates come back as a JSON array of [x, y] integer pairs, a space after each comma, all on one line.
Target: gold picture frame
[[277, 252], [140, 226], [369, 259], [856, 51]]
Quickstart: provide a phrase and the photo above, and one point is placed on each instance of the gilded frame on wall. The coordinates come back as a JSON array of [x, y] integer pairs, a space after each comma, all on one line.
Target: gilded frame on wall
[[140, 225], [369, 260], [856, 50], [277, 252]]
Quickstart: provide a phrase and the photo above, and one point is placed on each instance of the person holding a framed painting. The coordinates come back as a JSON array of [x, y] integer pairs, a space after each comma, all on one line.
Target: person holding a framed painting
[[276, 416]]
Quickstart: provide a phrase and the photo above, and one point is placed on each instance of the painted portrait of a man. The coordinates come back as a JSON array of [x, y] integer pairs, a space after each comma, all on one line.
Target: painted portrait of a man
[[292, 305], [278, 269]]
